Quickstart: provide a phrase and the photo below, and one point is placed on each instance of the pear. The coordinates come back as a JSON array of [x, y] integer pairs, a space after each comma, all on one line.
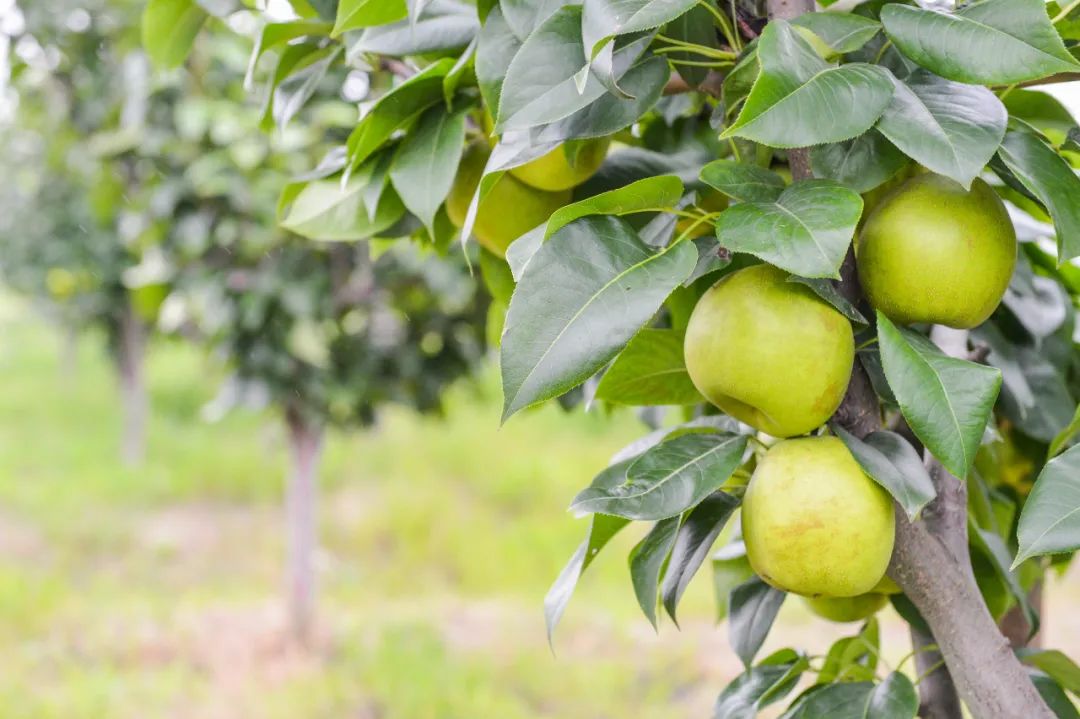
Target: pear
[[509, 210], [814, 523], [934, 252], [560, 170], [769, 352]]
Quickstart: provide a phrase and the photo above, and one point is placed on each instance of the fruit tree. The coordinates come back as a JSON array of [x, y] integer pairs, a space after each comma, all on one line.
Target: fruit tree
[[827, 250]]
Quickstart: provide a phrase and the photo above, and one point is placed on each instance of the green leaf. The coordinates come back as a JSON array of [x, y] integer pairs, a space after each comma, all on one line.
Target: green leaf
[[601, 529], [796, 88], [1065, 437], [327, 212], [496, 275], [695, 26], [293, 91], [278, 33], [861, 164], [695, 538], [446, 25], [396, 109], [827, 291], [993, 548], [760, 686], [946, 401], [845, 700], [743, 182], [807, 230], [841, 31], [645, 195], [169, 28], [559, 333], [1042, 111], [894, 698], [425, 163], [1050, 178], [539, 87], [667, 479], [356, 14], [524, 16], [650, 371], [949, 127], [497, 46], [1050, 521], [647, 561], [1055, 664], [893, 463], [1053, 695], [754, 605], [853, 658], [602, 20], [993, 42]]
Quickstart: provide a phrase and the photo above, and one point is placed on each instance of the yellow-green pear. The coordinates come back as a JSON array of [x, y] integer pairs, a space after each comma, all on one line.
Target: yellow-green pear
[[558, 171], [814, 523], [847, 609], [769, 352], [509, 210], [934, 252]]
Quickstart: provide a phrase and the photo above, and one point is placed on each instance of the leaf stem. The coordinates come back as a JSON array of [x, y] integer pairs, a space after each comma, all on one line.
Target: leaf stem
[[681, 46], [723, 22], [1065, 12], [913, 652], [881, 53], [1006, 91], [867, 343], [930, 670], [694, 63]]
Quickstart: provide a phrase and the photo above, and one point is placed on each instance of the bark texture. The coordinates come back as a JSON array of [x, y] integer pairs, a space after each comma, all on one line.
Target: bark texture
[[305, 445]]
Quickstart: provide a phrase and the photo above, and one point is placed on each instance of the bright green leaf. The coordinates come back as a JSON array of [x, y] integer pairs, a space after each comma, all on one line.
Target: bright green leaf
[[743, 182], [1050, 521], [327, 212], [650, 371], [356, 14], [169, 28], [645, 195], [424, 166], [841, 31]]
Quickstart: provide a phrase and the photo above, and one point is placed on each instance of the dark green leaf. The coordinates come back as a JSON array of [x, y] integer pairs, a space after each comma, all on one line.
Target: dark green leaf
[[497, 47], [1042, 111], [893, 463], [730, 569], [993, 548], [796, 88], [827, 291], [993, 42], [647, 561], [601, 529], [427, 160], [853, 658], [650, 371], [524, 16], [169, 28], [743, 182], [560, 333], [949, 127], [1053, 695], [667, 479], [760, 686], [695, 538], [894, 698], [1050, 178], [1055, 664], [946, 401], [862, 163], [1050, 521], [847, 700], [754, 605], [694, 26], [605, 19], [806, 231], [649, 194]]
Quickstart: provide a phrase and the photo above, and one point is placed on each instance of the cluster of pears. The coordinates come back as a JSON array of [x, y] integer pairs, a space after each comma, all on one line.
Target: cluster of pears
[[775, 355], [525, 196]]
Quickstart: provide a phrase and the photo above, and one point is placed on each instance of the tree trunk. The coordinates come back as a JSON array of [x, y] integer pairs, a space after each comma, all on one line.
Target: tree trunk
[[937, 692], [130, 355], [305, 443]]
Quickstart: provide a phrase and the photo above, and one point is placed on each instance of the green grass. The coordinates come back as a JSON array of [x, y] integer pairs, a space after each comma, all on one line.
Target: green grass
[[154, 592]]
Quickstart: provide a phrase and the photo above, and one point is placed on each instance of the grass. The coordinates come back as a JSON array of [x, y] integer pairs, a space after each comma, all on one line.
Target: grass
[[153, 592]]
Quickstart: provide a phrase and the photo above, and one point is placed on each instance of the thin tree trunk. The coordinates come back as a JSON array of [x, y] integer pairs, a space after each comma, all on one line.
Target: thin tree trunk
[[937, 693], [305, 443], [130, 355]]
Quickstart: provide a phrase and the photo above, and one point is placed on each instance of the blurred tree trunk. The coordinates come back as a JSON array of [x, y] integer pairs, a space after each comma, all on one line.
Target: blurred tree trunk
[[130, 355], [305, 444]]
